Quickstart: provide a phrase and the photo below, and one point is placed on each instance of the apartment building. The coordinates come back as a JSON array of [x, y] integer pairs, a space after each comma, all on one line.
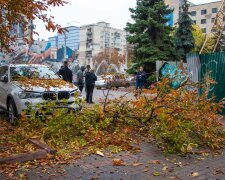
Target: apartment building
[[202, 14], [71, 38], [99, 37]]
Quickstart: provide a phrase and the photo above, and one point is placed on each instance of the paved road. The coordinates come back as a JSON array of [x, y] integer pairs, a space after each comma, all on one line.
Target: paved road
[[149, 163], [99, 94]]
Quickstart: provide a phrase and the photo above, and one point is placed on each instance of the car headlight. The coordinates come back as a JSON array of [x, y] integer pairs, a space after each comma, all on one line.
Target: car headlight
[[26, 95], [75, 93]]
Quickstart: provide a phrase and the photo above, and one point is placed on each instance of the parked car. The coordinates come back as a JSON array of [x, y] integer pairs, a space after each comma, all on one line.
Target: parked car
[[15, 96], [117, 80], [100, 83]]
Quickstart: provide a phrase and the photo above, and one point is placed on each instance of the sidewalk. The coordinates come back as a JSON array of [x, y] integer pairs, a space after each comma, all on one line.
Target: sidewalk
[[149, 163]]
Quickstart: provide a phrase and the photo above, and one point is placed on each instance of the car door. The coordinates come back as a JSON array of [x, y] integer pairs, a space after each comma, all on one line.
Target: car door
[[3, 86]]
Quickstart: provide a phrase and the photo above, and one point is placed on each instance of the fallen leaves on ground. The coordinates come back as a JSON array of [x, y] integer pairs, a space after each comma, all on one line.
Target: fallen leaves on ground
[[100, 153], [137, 164], [118, 162], [156, 174], [194, 174], [12, 142], [155, 162], [165, 168]]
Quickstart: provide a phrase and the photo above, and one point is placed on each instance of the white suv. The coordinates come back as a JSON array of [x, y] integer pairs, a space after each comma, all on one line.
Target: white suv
[[23, 85]]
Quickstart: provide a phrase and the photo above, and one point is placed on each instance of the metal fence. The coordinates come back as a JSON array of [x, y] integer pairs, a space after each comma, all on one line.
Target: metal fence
[[211, 65]]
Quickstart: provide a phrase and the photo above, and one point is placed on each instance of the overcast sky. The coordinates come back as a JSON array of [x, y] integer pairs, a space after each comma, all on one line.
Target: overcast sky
[[81, 12]]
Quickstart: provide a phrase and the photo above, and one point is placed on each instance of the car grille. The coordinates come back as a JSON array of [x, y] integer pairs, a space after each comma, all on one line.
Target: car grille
[[56, 96], [63, 95]]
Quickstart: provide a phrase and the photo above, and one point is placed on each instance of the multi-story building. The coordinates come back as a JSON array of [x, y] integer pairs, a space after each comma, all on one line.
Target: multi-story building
[[71, 38], [100, 37], [202, 14], [53, 41]]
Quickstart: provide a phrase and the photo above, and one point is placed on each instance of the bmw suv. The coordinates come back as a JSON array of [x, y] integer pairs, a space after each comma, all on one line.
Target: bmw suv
[[23, 85]]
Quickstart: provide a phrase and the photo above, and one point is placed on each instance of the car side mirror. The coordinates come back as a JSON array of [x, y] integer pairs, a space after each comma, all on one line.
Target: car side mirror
[[4, 78]]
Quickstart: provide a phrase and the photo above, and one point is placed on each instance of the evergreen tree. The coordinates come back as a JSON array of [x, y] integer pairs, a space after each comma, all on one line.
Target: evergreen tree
[[150, 33], [184, 40]]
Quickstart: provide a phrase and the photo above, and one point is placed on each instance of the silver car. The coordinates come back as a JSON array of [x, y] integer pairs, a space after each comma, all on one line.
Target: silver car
[[16, 96]]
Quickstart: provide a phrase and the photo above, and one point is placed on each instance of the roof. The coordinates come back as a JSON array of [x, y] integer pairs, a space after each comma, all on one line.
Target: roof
[[205, 3], [26, 65]]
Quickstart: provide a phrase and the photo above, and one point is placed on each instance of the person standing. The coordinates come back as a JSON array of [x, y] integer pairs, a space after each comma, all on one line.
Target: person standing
[[66, 73], [80, 78], [140, 79], [90, 79]]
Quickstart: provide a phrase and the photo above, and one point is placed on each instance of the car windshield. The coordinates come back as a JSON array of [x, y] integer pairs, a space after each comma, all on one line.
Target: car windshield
[[34, 72]]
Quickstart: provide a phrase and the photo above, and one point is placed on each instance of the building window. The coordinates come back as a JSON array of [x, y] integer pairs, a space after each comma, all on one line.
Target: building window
[[212, 20], [204, 11], [193, 13], [214, 10], [204, 30], [203, 21], [194, 22]]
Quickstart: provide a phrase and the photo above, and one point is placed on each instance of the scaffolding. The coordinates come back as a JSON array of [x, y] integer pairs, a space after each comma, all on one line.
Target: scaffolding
[[217, 31]]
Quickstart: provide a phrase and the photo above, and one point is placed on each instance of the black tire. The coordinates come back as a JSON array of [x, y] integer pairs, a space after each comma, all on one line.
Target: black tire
[[12, 112]]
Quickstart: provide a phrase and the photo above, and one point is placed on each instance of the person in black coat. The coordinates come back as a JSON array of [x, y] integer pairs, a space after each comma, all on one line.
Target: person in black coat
[[140, 79], [66, 73], [90, 79]]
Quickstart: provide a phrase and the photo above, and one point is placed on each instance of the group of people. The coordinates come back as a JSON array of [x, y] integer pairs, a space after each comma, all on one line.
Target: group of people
[[85, 77]]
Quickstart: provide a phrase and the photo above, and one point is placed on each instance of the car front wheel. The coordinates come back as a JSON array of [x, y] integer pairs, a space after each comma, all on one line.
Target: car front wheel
[[12, 112]]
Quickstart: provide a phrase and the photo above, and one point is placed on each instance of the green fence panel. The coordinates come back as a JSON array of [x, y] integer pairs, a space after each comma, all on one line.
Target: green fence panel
[[213, 66]]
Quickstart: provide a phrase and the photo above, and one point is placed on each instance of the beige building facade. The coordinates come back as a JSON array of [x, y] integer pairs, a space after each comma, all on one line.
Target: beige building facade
[[99, 37], [203, 14]]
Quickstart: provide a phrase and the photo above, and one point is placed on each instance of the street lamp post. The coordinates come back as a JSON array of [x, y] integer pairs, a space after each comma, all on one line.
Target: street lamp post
[[65, 46], [67, 24]]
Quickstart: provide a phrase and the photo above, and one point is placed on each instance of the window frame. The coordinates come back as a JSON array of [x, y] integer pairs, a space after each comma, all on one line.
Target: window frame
[[215, 11], [203, 21], [203, 11], [193, 13]]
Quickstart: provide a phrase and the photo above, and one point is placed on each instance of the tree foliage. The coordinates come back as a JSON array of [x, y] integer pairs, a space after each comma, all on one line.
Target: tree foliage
[[14, 12], [200, 37], [184, 40], [112, 57], [180, 120], [149, 33]]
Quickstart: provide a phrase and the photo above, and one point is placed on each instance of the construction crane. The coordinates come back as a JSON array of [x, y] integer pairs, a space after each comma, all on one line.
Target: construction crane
[[217, 31]]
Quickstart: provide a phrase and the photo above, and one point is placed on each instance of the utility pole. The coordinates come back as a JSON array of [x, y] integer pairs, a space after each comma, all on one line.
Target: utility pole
[[64, 46], [127, 48]]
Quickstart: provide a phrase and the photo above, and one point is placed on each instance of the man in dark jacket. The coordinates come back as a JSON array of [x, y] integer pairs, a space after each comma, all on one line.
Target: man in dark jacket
[[80, 78], [140, 79], [90, 79], [66, 73]]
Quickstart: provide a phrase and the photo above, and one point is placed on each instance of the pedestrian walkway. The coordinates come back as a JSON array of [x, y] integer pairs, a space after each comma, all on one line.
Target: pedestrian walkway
[[149, 163]]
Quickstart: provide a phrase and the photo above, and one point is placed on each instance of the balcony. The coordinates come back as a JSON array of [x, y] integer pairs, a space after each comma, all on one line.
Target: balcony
[[89, 49], [88, 54], [89, 38], [89, 33]]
